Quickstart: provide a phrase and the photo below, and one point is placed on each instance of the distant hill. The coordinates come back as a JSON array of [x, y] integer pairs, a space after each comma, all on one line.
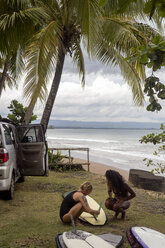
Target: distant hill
[[83, 124]]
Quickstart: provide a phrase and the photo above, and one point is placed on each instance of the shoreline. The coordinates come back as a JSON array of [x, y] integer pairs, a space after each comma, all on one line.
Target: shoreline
[[99, 168]]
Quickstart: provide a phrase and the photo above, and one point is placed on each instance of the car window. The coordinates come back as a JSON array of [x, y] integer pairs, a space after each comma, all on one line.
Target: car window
[[30, 134], [8, 135]]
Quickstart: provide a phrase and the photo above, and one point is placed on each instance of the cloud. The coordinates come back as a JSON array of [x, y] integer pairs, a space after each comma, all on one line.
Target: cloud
[[7, 96], [91, 66], [101, 100], [106, 97]]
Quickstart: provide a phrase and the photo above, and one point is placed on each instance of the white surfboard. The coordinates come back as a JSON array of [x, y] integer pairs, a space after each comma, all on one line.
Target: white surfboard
[[149, 238], [113, 239], [100, 219], [81, 239]]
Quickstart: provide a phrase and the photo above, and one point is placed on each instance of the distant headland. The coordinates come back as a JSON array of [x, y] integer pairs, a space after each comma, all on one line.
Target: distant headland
[[85, 124]]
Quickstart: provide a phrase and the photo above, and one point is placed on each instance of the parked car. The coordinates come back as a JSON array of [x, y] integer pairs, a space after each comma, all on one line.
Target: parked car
[[23, 152]]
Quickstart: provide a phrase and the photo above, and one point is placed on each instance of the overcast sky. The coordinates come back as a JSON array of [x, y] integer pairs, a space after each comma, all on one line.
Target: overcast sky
[[106, 97]]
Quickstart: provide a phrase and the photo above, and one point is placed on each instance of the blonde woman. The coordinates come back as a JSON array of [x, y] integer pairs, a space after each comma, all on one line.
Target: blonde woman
[[75, 203]]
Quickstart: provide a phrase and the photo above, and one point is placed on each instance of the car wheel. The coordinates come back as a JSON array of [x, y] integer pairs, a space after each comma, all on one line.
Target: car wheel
[[21, 179], [10, 192]]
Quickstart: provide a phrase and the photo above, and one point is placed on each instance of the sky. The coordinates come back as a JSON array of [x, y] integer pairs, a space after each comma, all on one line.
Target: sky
[[105, 98]]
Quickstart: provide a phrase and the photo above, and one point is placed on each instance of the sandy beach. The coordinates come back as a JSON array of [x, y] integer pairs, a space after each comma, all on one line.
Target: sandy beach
[[101, 168]]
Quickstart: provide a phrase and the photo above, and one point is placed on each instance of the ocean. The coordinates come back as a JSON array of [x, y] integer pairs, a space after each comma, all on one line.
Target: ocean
[[114, 147]]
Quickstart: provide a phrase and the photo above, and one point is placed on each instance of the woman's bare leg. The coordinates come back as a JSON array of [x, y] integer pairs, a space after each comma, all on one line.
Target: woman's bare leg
[[75, 211], [125, 206], [121, 209], [116, 215]]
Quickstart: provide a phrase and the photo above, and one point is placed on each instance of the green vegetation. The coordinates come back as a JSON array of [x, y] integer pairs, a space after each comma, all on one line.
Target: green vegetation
[[18, 112], [57, 162], [43, 33], [32, 220], [156, 139], [153, 56], [149, 7], [54, 160], [16, 33], [91, 24]]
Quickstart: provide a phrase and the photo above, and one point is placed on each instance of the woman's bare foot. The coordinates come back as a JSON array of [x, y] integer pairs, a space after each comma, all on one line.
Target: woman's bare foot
[[78, 223]]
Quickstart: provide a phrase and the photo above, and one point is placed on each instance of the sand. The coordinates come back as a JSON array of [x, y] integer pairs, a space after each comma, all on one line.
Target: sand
[[100, 169]]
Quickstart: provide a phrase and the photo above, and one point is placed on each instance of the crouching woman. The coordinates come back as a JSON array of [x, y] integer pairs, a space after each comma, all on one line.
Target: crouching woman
[[120, 193], [75, 203]]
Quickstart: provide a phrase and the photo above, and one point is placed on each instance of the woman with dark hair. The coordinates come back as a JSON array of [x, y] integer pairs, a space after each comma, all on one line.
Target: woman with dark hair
[[122, 193], [75, 203]]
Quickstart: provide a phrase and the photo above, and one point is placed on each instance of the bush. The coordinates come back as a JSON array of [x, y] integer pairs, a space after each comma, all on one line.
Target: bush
[[56, 163], [156, 139]]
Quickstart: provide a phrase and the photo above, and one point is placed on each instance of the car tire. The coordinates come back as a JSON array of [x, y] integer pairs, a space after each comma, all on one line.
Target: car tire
[[10, 193], [21, 179]]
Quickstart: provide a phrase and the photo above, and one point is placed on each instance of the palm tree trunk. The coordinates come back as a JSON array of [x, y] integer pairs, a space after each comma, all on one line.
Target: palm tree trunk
[[29, 111], [54, 89], [3, 77]]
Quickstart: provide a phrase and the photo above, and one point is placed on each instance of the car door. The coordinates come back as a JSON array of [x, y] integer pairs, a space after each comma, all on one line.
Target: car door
[[32, 152]]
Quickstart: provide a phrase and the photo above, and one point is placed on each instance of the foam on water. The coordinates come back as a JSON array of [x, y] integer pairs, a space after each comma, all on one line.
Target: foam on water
[[117, 147]]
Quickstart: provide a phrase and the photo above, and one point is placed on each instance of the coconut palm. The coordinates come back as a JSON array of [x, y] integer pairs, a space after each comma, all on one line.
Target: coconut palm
[[106, 37], [69, 23]]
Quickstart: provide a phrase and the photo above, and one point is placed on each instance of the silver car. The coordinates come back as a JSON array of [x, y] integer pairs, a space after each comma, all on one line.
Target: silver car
[[23, 152]]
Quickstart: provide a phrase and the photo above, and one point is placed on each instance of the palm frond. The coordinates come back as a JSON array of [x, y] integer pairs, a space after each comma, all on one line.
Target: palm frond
[[120, 33], [40, 55], [16, 65], [79, 61], [89, 17], [9, 81], [125, 34], [17, 27], [133, 9], [131, 73]]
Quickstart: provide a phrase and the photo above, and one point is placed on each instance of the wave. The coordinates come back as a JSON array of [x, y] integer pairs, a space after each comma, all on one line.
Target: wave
[[86, 140], [130, 153]]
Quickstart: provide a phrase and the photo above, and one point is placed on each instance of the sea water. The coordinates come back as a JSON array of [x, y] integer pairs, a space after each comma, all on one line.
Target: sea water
[[114, 147]]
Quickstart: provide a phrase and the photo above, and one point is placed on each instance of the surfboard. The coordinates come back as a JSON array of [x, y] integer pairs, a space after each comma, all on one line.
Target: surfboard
[[100, 219], [132, 240], [149, 238], [113, 239], [83, 239]]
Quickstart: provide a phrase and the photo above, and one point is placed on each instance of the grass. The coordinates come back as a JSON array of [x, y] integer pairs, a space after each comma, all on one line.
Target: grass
[[32, 220]]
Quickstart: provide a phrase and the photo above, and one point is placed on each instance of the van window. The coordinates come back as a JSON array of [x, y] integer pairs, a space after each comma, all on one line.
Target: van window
[[30, 134], [7, 133]]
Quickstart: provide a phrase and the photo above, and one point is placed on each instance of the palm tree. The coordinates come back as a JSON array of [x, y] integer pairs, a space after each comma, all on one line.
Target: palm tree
[[66, 25], [69, 22]]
